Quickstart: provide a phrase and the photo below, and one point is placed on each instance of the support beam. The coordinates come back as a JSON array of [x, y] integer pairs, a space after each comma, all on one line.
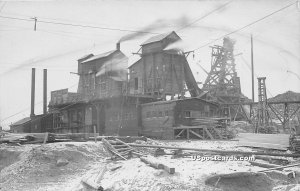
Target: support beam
[[45, 92], [193, 132], [208, 133]]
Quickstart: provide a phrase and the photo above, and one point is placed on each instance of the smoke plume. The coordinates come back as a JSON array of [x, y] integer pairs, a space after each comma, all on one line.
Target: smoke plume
[[158, 24]]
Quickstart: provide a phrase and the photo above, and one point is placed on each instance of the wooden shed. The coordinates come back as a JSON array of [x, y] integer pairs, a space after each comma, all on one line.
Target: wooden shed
[[160, 119]]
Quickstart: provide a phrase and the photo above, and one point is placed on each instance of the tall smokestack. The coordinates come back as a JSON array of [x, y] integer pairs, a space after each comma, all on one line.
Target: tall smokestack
[[118, 46], [45, 92], [32, 91]]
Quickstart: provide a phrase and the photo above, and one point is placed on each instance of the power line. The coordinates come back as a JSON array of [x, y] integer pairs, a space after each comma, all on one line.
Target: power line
[[77, 25], [250, 24], [56, 110], [204, 16], [29, 107]]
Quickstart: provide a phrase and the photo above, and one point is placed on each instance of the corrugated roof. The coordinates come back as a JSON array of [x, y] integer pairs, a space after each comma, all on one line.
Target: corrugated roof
[[22, 121], [99, 56], [156, 38]]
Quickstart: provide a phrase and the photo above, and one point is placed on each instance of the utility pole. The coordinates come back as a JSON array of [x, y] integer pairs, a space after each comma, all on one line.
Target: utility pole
[[252, 68], [35, 21]]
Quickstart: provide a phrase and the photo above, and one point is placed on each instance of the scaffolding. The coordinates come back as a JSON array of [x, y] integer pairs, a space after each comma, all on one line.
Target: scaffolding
[[263, 121], [222, 81]]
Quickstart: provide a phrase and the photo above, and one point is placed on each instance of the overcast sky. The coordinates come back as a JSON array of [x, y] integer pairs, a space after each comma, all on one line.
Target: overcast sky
[[57, 47]]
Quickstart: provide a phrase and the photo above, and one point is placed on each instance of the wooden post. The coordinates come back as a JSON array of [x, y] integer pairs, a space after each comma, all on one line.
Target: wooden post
[[188, 133], [252, 68], [46, 138], [95, 134]]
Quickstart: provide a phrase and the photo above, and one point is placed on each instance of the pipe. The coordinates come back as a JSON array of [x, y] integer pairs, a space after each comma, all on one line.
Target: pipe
[[32, 91], [45, 92]]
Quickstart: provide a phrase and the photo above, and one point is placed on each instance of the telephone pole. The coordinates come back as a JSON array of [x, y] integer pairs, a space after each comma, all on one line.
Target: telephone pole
[[35, 21]]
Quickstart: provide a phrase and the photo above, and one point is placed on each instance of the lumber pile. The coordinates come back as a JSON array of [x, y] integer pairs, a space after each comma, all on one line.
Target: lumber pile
[[219, 151], [216, 126], [28, 138], [119, 149]]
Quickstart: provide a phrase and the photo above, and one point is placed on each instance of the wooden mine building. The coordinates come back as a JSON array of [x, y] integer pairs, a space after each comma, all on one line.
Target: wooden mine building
[[148, 98]]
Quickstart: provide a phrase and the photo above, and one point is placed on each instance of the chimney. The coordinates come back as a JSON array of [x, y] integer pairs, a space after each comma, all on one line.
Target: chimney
[[32, 91], [45, 92], [118, 46]]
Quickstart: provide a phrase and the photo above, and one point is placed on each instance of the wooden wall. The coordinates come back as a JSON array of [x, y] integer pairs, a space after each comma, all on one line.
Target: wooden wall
[[193, 108], [122, 117], [156, 123], [158, 119], [158, 74]]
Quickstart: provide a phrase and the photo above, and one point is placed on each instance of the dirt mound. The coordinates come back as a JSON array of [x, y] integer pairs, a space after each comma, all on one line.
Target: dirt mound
[[246, 181], [36, 166], [8, 157]]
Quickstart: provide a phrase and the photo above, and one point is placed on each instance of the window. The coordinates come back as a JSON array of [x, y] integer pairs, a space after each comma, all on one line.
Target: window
[[148, 114], [167, 113], [160, 114], [153, 113], [136, 83], [187, 114]]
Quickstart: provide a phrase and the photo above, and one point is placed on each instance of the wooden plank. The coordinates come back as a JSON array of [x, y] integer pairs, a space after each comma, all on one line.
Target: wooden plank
[[112, 149], [193, 132], [264, 165], [268, 141], [208, 133], [179, 133], [46, 138], [132, 149], [153, 162], [170, 170], [219, 151], [188, 133], [124, 149]]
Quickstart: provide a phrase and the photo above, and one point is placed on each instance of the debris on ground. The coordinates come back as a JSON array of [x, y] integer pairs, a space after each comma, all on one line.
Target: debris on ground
[[80, 166]]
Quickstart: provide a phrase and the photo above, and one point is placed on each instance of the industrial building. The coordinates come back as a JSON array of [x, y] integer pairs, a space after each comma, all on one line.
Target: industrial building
[[157, 96]]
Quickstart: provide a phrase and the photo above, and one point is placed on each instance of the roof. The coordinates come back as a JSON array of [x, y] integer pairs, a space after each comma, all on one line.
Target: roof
[[177, 100], [22, 121], [135, 63], [158, 38], [118, 78], [86, 56], [103, 55]]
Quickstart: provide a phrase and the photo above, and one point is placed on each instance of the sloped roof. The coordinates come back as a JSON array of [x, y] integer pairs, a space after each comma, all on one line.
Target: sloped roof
[[22, 121], [158, 38], [100, 56], [86, 56]]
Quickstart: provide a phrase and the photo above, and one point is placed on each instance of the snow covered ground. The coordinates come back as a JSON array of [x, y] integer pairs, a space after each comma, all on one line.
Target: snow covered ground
[[62, 166]]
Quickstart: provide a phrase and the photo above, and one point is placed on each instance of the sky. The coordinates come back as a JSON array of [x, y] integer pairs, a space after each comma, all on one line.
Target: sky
[[200, 24]]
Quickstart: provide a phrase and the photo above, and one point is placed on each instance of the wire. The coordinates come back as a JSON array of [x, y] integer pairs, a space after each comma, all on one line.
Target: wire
[[55, 110], [250, 24], [249, 67], [206, 15], [29, 107], [77, 25]]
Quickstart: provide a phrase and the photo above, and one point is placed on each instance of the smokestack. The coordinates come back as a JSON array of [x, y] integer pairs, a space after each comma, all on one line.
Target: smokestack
[[45, 92], [32, 91], [118, 46]]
